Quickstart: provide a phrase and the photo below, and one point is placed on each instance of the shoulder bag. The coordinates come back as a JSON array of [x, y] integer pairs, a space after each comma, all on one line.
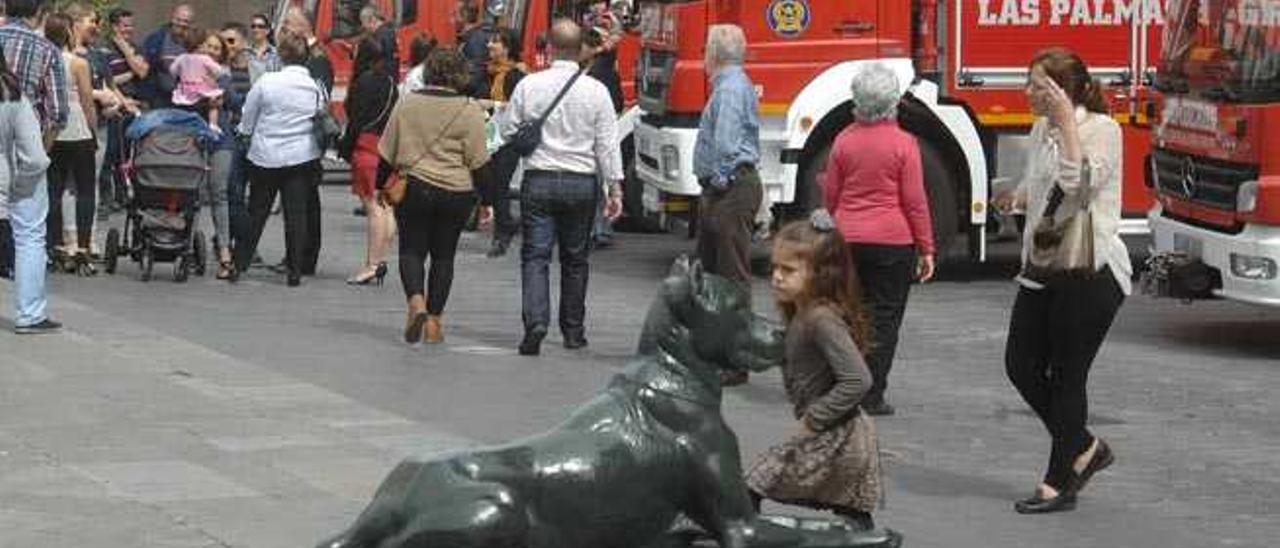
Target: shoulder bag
[[394, 192], [1063, 244], [324, 127], [528, 134]]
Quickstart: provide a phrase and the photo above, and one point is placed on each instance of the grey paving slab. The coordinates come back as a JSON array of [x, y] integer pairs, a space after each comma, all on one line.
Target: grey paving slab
[[162, 481], [255, 416]]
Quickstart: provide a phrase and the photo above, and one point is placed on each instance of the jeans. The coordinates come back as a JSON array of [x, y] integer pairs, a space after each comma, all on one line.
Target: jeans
[[292, 184], [430, 221], [726, 219], [1054, 335], [72, 165], [886, 273], [27, 217], [237, 205], [215, 189], [556, 209]]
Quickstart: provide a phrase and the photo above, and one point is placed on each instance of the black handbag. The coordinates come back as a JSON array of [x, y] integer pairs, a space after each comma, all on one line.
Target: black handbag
[[528, 135], [324, 126]]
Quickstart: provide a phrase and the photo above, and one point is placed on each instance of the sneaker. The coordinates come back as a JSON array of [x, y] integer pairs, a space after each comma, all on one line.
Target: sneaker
[[44, 327]]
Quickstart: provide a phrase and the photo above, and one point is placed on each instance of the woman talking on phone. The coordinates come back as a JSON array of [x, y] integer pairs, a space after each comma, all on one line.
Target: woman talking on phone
[[1075, 269]]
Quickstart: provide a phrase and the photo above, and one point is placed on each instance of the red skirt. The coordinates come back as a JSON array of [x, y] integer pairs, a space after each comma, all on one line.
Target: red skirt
[[364, 165]]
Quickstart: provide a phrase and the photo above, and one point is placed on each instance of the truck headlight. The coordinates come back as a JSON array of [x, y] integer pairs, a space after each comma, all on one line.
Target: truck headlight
[[1252, 267], [1247, 197], [671, 161]]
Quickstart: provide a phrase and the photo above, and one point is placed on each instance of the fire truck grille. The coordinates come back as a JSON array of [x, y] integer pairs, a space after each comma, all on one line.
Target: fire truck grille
[[1200, 180]]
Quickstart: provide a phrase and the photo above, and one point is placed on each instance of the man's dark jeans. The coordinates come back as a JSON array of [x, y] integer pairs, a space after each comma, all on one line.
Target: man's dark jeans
[[556, 209]]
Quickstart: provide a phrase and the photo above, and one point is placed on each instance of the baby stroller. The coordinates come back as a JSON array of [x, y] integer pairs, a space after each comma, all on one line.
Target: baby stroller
[[170, 163]]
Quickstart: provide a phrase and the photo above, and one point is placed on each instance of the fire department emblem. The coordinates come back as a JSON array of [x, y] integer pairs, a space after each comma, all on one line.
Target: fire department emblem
[[788, 18]]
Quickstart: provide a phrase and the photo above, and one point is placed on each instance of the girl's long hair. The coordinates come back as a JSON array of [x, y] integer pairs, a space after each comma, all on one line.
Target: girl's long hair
[[833, 282]]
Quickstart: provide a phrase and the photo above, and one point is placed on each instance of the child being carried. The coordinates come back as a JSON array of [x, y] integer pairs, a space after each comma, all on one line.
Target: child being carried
[[197, 72]]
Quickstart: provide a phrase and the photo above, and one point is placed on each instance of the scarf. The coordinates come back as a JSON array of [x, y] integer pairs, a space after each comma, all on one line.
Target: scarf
[[498, 71]]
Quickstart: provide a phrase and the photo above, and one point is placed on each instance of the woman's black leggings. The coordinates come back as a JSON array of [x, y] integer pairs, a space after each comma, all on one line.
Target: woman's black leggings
[[72, 165], [430, 220], [1054, 334]]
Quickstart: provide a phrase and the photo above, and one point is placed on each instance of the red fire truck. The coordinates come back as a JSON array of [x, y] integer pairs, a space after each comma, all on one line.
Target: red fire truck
[[963, 66], [1216, 157], [337, 26]]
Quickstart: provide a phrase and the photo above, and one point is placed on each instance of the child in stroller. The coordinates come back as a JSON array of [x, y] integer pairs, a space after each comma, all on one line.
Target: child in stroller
[[169, 166]]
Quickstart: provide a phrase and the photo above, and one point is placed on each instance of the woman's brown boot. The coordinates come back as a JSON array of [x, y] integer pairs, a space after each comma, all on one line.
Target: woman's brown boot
[[413, 327], [434, 330]]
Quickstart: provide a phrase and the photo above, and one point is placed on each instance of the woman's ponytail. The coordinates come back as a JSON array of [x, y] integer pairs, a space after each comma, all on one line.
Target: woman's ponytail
[[1092, 98]]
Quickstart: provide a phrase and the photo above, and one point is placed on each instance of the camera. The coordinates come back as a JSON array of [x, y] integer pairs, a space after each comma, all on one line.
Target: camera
[[594, 36]]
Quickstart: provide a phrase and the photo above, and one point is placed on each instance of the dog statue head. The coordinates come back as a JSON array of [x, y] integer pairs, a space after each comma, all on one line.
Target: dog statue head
[[705, 322]]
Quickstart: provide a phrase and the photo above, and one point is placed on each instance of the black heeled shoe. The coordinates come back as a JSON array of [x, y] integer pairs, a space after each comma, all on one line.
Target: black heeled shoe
[[374, 277], [293, 280], [226, 270], [1065, 501]]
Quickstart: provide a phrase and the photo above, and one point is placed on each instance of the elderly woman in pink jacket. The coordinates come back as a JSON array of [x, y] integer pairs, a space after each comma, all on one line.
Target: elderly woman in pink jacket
[[874, 188]]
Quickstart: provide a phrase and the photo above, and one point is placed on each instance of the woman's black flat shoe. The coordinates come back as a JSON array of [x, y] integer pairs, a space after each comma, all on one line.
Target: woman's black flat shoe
[[1064, 502], [1102, 458]]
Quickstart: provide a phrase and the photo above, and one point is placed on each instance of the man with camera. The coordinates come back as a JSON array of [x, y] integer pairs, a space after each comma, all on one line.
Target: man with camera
[[602, 32]]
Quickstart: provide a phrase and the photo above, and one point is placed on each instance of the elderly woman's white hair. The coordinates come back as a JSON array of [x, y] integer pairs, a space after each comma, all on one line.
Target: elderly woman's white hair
[[726, 45], [875, 93]]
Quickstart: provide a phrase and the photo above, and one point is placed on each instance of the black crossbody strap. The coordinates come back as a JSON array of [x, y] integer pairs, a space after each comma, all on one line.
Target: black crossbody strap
[[563, 91]]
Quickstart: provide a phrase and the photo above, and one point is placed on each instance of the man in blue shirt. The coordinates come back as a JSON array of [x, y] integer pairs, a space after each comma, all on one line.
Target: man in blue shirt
[[724, 161], [160, 49], [725, 157]]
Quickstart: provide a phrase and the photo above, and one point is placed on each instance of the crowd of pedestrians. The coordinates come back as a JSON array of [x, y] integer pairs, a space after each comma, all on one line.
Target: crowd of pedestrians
[[438, 149]]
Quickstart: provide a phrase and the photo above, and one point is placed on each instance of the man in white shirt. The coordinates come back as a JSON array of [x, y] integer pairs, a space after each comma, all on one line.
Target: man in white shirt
[[560, 190]]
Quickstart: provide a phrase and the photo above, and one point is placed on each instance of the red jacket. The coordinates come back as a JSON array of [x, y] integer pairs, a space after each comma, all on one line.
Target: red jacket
[[874, 187]]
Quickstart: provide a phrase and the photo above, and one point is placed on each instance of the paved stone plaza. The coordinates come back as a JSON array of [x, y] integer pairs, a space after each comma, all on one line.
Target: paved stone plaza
[[260, 416]]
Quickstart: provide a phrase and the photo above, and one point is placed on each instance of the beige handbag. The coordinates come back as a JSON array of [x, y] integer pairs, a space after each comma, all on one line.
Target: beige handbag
[[1063, 244]]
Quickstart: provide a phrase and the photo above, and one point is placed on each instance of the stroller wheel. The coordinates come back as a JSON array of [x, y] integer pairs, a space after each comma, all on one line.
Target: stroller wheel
[[111, 251], [200, 254], [181, 270], [148, 262]]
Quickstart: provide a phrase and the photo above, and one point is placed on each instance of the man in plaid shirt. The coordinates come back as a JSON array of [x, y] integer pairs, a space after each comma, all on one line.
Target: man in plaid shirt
[[37, 63]]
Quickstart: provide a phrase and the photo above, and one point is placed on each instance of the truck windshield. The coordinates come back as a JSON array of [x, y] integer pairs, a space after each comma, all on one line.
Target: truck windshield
[[1223, 50]]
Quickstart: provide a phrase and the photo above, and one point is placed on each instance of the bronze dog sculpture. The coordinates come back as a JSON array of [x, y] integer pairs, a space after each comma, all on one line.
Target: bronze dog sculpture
[[622, 467]]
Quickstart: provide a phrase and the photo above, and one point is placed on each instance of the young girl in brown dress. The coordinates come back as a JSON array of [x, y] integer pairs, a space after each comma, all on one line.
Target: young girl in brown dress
[[832, 461]]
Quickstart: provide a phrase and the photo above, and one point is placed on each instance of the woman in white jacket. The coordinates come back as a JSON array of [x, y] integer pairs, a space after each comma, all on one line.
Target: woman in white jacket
[[24, 198], [1061, 318]]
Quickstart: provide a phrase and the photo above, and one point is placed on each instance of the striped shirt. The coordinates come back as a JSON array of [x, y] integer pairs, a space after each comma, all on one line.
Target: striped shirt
[[39, 68]]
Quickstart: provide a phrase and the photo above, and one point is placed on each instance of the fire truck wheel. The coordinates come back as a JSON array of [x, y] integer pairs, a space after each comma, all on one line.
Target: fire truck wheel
[[808, 192], [944, 206], [939, 181]]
